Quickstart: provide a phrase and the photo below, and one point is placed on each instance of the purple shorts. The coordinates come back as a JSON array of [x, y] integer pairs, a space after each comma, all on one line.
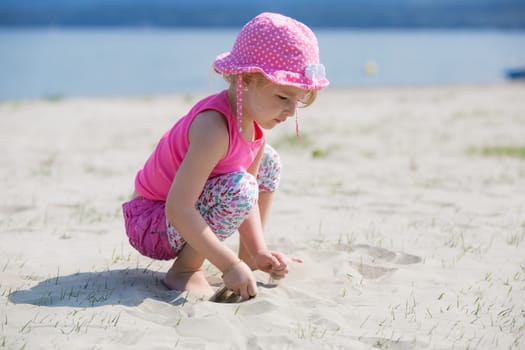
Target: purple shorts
[[145, 222]]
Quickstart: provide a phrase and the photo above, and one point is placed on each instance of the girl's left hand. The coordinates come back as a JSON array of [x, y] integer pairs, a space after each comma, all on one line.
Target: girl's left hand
[[275, 263]]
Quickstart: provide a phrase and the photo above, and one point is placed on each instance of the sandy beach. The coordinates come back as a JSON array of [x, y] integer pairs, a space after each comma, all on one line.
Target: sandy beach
[[406, 204]]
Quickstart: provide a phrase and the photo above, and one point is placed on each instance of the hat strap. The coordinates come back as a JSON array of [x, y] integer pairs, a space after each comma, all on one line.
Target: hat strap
[[297, 120], [239, 101]]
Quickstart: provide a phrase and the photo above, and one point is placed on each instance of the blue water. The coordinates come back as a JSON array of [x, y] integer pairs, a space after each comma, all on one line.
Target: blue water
[[36, 63]]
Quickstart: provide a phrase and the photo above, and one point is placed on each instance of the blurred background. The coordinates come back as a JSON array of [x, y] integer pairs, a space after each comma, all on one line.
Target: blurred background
[[66, 48]]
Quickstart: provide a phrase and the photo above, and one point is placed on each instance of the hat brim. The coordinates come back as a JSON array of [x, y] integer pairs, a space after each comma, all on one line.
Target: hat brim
[[226, 63]]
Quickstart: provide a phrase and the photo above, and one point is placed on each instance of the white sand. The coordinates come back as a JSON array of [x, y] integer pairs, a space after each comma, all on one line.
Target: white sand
[[411, 238]]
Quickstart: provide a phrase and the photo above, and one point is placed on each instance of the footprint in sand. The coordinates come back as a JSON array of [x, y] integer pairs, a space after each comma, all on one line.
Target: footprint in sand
[[387, 255], [372, 272], [379, 255]]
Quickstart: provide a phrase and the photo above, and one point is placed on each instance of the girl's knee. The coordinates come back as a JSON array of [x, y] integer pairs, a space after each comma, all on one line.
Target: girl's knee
[[245, 189], [269, 174], [239, 188], [227, 200]]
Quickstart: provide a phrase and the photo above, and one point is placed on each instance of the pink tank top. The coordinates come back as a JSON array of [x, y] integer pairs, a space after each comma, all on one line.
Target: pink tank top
[[154, 180]]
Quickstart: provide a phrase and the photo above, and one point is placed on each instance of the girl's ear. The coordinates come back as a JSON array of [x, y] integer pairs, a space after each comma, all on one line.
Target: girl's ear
[[247, 78], [251, 78]]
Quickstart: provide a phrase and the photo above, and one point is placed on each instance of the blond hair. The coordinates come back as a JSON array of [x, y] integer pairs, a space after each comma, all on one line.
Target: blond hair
[[260, 79]]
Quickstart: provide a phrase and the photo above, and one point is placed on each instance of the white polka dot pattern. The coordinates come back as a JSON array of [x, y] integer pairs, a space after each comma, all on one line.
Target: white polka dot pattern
[[283, 49]]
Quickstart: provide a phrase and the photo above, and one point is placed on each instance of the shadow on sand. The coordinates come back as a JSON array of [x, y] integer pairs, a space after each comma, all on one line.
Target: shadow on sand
[[128, 287]]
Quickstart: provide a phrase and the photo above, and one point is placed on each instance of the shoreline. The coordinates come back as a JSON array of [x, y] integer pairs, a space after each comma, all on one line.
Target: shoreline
[[202, 93]]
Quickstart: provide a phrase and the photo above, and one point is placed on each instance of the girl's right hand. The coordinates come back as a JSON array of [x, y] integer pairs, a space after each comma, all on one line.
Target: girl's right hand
[[239, 279]]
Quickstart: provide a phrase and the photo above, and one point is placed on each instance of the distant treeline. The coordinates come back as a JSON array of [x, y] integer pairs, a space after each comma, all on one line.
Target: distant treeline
[[507, 14]]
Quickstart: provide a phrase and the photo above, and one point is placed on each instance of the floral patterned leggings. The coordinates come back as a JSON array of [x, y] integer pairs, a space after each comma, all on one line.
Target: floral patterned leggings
[[227, 199], [224, 203]]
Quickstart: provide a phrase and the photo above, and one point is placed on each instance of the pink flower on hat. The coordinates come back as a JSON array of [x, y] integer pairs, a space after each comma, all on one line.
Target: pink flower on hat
[[284, 50]]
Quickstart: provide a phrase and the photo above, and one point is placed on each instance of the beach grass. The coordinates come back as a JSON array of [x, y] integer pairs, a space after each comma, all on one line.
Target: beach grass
[[500, 151], [293, 141]]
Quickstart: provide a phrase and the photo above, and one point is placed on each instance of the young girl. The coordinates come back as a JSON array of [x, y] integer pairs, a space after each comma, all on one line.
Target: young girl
[[212, 174]]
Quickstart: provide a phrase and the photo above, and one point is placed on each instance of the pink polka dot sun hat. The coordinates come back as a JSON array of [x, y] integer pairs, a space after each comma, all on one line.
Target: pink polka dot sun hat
[[284, 50]]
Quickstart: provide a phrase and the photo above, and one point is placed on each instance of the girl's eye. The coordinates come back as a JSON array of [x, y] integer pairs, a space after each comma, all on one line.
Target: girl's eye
[[283, 98]]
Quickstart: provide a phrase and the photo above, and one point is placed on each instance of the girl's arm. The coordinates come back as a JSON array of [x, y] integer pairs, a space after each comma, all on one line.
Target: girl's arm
[[208, 138], [251, 230], [252, 237]]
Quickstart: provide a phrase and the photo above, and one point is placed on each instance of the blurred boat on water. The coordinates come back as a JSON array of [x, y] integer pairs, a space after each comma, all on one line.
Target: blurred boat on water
[[515, 73]]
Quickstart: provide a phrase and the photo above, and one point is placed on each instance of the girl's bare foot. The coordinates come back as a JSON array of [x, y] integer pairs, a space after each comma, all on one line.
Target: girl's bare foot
[[193, 281]]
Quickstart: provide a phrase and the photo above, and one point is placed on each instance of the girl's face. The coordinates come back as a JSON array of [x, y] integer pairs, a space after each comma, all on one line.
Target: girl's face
[[269, 104]]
